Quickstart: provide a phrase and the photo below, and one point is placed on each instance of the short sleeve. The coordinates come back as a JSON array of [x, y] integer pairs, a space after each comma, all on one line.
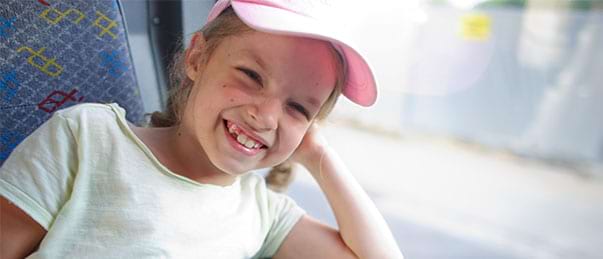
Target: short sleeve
[[38, 175], [285, 214]]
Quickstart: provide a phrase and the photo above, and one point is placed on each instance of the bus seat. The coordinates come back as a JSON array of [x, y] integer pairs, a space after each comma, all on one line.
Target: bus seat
[[55, 54]]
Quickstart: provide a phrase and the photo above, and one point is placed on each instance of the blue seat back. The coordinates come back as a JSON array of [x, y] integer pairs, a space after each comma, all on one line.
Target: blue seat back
[[55, 54]]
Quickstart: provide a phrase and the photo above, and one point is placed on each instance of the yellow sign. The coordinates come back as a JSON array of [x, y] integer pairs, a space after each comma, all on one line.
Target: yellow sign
[[475, 26]]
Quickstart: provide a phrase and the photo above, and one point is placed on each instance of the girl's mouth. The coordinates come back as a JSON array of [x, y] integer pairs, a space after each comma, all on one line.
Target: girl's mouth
[[240, 141]]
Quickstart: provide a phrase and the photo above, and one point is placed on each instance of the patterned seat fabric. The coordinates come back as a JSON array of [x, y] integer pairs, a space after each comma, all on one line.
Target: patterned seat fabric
[[54, 54]]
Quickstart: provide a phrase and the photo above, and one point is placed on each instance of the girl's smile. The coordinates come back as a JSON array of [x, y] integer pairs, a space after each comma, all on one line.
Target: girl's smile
[[242, 140], [253, 100]]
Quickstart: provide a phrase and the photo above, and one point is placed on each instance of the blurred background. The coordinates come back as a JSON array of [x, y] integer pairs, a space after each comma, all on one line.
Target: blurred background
[[486, 140]]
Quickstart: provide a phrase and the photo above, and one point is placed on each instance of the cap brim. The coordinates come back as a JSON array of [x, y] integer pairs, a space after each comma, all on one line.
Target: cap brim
[[360, 86]]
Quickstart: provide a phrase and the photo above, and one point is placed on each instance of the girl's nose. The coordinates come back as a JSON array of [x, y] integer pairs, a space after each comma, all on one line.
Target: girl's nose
[[264, 115]]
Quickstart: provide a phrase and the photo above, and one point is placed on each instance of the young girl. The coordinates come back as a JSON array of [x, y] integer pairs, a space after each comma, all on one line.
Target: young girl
[[251, 85]]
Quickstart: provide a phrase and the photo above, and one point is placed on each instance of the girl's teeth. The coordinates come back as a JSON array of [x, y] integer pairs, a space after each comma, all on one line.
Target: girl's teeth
[[242, 139], [250, 143]]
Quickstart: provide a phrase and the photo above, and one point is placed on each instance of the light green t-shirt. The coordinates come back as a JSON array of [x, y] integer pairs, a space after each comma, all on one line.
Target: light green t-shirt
[[100, 193]]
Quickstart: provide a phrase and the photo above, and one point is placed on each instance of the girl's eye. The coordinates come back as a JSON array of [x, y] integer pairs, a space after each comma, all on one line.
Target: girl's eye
[[298, 107], [251, 74]]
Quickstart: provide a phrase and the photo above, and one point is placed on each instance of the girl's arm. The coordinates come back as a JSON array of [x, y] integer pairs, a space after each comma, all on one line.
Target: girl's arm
[[361, 226], [19, 233]]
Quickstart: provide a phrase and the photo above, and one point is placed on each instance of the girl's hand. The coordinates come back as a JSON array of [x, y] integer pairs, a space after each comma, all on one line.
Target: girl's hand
[[312, 147]]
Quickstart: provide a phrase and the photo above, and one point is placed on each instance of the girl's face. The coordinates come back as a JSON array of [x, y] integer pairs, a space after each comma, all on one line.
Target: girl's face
[[256, 85]]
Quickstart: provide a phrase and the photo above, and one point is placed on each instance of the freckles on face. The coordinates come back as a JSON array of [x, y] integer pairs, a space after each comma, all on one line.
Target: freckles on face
[[273, 78]]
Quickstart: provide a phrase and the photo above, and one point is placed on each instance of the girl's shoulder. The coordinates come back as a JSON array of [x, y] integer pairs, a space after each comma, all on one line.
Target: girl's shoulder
[[93, 117], [92, 110]]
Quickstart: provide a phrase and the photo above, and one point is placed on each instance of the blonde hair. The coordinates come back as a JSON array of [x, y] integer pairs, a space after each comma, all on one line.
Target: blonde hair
[[225, 25]]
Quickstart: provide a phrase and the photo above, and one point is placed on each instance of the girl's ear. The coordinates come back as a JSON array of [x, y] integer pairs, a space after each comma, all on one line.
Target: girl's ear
[[193, 54]]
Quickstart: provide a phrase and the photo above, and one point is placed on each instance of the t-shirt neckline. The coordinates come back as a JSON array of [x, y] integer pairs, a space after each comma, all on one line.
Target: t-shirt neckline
[[121, 115]]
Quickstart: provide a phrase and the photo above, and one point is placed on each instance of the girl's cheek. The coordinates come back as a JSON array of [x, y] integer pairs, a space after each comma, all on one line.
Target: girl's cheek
[[291, 141], [234, 93]]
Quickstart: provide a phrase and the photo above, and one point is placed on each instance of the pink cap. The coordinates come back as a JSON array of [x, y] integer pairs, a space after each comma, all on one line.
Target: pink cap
[[316, 19]]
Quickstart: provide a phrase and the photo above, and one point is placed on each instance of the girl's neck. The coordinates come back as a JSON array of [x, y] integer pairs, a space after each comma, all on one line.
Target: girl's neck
[[181, 155]]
